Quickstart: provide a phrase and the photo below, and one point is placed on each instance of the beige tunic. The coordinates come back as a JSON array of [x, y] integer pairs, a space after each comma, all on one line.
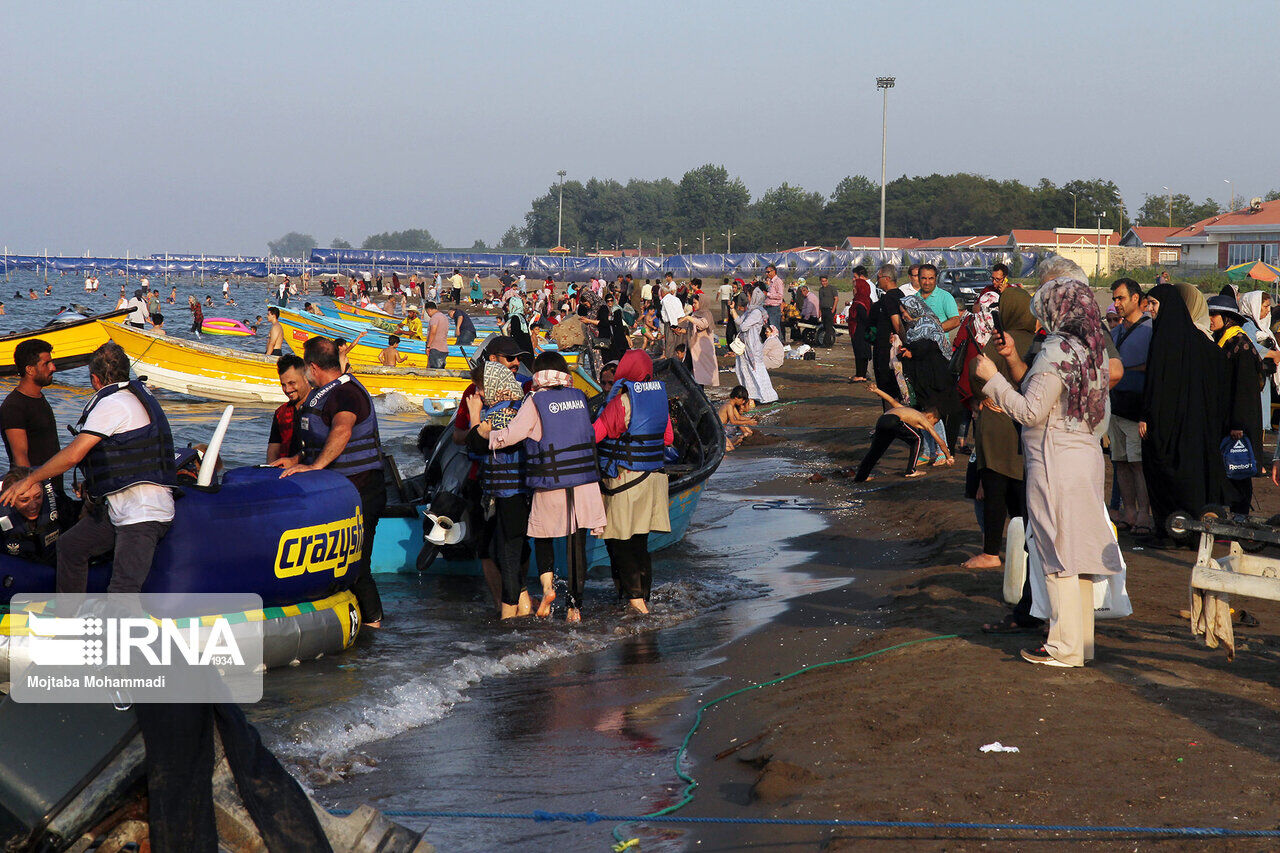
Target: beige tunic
[[702, 347], [1064, 473], [552, 514]]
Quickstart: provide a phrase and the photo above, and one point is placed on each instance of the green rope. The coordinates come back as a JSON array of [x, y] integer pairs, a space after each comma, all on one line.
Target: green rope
[[691, 784]]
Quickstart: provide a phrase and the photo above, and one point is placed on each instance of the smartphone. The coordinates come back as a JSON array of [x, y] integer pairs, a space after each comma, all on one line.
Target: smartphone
[[995, 319]]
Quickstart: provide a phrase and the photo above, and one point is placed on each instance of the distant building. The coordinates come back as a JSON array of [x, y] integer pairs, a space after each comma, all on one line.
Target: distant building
[[1155, 239], [872, 244], [1252, 234]]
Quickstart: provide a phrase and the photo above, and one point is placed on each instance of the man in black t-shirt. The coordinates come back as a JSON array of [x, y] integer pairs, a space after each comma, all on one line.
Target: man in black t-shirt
[[885, 315], [26, 418]]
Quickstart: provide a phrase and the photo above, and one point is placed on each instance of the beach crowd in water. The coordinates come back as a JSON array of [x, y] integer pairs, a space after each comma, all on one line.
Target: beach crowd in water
[[1033, 385]]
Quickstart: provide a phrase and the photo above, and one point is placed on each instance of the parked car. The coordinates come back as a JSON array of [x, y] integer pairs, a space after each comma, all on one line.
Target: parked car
[[964, 283]]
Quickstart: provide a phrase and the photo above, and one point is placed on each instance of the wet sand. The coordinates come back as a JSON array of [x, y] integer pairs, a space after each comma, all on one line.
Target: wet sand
[[1158, 731]]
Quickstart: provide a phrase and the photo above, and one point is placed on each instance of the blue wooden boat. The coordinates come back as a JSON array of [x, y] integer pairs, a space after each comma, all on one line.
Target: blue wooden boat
[[399, 543]]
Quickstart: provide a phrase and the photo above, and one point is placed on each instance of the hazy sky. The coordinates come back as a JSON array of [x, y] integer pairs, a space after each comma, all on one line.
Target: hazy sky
[[215, 127]]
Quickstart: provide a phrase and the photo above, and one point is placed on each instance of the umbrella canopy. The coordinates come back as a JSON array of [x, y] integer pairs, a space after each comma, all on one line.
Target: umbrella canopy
[[1256, 270]]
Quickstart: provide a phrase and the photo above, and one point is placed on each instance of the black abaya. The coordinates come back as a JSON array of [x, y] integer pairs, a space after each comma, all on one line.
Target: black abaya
[[1185, 410]]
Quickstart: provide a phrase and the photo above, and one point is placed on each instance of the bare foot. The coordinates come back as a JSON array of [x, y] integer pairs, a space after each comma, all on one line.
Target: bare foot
[[544, 606], [982, 561], [912, 475], [525, 605], [573, 616], [638, 605], [377, 624]]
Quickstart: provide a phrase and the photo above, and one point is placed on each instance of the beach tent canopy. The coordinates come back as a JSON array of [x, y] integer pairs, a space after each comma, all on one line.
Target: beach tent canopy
[[1256, 270]]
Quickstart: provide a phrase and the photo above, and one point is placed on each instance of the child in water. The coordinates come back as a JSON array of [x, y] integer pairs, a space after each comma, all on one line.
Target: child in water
[[900, 423], [737, 423]]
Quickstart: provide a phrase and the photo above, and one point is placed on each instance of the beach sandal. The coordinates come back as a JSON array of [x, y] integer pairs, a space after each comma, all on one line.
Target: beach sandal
[[1125, 527], [1139, 529], [1009, 625]]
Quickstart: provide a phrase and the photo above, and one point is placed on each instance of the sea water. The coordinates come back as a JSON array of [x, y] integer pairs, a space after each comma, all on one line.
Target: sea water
[[447, 709]]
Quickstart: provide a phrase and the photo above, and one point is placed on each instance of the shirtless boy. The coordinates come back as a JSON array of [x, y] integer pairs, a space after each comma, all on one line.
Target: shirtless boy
[[390, 355], [733, 416], [899, 423]]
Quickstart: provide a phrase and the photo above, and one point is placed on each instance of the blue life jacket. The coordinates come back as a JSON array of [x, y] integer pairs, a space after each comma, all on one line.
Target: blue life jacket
[[502, 472], [142, 455], [640, 448], [566, 455], [33, 540], [361, 453]]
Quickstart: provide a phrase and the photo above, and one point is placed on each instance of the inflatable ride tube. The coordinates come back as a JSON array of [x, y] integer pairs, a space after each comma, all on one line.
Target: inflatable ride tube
[[291, 633], [68, 316], [288, 540], [225, 326]]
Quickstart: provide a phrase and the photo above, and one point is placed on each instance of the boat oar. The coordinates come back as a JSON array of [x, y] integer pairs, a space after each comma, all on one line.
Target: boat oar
[[210, 462]]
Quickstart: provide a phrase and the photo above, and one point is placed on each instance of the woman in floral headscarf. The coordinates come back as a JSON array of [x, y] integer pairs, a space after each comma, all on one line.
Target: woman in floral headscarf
[[1064, 409]]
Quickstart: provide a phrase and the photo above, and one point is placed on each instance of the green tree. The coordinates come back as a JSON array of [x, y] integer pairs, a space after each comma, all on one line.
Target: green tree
[[479, 246], [413, 240], [1273, 195], [512, 239], [339, 243], [783, 218], [707, 199], [291, 245], [1179, 212], [852, 211]]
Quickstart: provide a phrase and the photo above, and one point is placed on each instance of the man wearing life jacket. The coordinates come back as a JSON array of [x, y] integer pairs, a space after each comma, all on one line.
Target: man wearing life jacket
[[561, 469], [31, 526], [633, 431], [339, 431], [125, 451], [286, 438]]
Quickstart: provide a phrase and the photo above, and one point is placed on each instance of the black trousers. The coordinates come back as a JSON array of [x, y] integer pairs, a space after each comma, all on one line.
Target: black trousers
[[889, 428], [1002, 498], [858, 338], [510, 548], [373, 500], [577, 568], [179, 744], [632, 566], [828, 337], [886, 381]]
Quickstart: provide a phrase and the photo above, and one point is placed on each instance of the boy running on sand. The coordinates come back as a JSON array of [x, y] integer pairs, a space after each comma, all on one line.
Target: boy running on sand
[[899, 423], [732, 415]]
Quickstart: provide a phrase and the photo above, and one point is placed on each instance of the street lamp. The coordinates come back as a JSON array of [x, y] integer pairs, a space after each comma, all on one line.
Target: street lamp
[[885, 83], [1170, 192], [1231, 205], [560, 217], [728, 240], [1073, 208]]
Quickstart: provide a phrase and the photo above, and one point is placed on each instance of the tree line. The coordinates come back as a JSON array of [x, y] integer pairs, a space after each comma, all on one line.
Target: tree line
[[709, 208]]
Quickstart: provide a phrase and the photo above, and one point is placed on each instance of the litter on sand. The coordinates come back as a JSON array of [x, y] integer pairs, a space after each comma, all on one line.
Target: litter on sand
[[998, 747]]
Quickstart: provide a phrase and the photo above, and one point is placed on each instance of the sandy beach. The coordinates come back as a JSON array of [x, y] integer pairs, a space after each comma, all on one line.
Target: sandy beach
[[1158, 731]]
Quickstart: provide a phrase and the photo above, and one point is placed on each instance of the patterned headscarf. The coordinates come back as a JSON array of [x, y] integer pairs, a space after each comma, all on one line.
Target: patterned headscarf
[[1075, 350], [500, 384], [544, 379]]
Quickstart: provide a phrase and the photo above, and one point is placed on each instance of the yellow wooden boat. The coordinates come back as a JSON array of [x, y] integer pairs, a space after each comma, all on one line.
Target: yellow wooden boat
[[234, 376], [72, 342]]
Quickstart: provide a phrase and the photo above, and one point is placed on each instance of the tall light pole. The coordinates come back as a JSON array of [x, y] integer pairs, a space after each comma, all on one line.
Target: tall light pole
[[885, 83], [560, 217], [1231, 205], [1170, 192], [1073, 208], [728, 241], [1097, 271]]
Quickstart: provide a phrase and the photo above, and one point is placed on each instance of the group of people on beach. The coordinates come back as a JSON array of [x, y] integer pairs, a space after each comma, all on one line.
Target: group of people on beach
[[1034, 385]]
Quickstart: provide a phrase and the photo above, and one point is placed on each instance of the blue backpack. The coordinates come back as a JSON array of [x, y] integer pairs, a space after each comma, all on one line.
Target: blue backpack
[[1237, 456]]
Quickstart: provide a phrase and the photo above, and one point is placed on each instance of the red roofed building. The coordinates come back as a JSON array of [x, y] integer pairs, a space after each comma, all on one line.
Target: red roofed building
[[1251, 234], [1155, 239], [864, 244]]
